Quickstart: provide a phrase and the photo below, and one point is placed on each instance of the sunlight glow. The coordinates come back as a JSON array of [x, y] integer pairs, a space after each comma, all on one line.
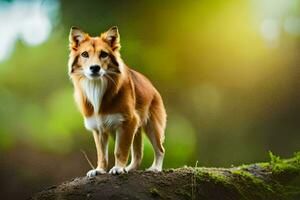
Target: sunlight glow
[[271, 31], [277, 16], [25, 20], [292, 25]]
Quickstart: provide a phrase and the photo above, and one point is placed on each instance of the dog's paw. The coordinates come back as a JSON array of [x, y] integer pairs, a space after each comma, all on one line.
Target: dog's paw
[[95, 172], [154, 169], [117, 170]]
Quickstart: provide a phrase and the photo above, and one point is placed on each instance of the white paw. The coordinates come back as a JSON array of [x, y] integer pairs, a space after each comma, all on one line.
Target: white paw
[[117, 170], [95, 172], [154, 169]]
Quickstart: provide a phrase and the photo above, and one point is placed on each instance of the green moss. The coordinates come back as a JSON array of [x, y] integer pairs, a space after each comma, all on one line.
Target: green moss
[[280, 168], [255, 187], [274, 158], [219, 178], [245, 174], [250, 178], [297, 155], [285, 168], [243, 166], [264, 165], [284, 178], [214, 176], [276, 179]]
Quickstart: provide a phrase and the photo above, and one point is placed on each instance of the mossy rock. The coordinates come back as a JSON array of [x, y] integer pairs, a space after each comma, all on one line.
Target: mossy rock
[[278, 179]]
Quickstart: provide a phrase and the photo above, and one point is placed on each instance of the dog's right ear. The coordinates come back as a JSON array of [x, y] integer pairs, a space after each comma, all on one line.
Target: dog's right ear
[[76, 37]]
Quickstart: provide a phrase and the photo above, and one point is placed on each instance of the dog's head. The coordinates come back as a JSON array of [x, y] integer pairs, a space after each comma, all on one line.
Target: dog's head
[[94, 57]]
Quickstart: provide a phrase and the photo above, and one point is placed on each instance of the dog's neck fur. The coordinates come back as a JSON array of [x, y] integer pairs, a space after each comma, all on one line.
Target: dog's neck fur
[[94, 91]]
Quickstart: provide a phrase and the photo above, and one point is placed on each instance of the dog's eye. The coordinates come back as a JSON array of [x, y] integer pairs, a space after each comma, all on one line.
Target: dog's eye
[[85, 54], [103, 54]]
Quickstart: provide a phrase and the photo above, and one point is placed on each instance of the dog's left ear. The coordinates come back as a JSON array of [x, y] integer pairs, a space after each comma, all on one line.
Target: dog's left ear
[[76, 37], [112, 38]]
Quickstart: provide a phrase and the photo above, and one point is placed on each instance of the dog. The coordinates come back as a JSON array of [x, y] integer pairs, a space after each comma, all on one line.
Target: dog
[[116, 99]]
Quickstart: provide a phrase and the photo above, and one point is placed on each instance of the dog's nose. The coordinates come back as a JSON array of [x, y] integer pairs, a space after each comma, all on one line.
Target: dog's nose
[[95, 69]]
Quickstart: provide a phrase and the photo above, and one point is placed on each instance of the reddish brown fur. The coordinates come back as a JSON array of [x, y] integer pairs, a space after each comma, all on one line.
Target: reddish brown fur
[[133, 96]]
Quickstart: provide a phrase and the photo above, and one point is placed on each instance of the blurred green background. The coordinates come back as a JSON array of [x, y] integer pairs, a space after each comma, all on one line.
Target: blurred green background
[[228, 71]]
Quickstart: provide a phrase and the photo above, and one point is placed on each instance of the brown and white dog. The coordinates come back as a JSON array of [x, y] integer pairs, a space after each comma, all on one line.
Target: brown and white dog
[[115, 99]]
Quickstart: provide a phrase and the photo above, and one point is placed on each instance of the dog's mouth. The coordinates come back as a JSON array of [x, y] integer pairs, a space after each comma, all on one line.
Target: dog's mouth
[[95, 75]]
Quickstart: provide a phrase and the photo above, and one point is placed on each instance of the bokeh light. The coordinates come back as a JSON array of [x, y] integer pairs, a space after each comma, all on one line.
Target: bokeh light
[[26, 20]]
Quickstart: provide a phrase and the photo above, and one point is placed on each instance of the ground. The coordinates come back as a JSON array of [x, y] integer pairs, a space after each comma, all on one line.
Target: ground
[[276, 179]]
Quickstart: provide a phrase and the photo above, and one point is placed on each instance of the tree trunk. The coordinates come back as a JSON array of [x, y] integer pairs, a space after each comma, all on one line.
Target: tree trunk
[[277, 179]]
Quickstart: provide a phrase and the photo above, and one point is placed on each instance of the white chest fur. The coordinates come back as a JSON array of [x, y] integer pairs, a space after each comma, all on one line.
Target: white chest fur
[[103, 122], [94, 91]]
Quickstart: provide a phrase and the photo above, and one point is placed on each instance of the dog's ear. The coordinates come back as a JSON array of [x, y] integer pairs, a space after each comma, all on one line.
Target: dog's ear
[[112, 38], [76, 37]]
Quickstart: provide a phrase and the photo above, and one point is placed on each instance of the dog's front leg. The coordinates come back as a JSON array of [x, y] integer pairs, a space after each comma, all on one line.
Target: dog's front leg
[[124, 138], [101, 142]]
